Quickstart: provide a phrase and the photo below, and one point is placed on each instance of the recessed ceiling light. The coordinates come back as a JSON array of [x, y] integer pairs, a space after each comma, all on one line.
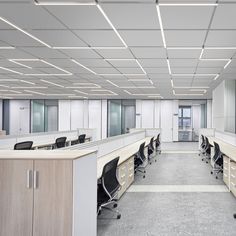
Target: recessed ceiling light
[[227, 63], [27, 82], [184, 48], [217, 76], [13, 71], [86, 68], [168, 64], [78, 91], [188, 4], [89, 48], [6, 47], [49, 82]]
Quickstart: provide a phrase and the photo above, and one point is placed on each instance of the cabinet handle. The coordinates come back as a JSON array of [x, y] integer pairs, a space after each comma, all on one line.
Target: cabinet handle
[[29, 178], [35, 179]]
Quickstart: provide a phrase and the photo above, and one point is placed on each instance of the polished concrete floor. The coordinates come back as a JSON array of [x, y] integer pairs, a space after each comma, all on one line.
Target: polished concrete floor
[[177, 197]]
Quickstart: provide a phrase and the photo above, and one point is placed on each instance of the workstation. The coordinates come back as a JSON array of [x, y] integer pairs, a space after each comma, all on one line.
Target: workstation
[[117, 118]]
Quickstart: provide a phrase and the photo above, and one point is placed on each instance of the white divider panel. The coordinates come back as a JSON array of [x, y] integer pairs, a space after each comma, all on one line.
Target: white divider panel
[[226, 137], [89, 133], [64, 115], [205, 132], [110, 146], [152, 132], [7, 143], [133, 138], [77, 114]]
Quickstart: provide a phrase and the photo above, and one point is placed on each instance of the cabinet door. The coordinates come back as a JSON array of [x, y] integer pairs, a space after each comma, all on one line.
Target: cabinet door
[[16, 198], [53, 198]]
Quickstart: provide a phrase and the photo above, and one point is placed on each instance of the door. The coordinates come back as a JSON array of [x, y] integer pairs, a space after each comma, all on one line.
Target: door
[[128, 118], [53, 198], [16, 198]]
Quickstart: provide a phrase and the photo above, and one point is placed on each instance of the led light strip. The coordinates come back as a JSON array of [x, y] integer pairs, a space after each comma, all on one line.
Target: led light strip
[[87, 85], [69, 3], [6, 48], [89, 48], [102, 90], [27, 82], [49, 82], [125, 87], [183, 94], [161, 25], [78, 91], [141, 94], [86, 68], [168, 64], [198, 90], [227, 64], [13, 71], [188, 4], [76, 96]]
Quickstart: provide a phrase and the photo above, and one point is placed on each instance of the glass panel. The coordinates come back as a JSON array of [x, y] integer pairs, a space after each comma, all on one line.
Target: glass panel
[[186, 122], [37, 116], [180, 112], [51, 115], [114, 118], [187, 112]]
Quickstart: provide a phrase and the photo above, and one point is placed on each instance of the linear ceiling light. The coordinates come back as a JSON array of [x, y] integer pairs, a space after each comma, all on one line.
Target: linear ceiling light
[[161, 25], [186, 94], [65, 3], [49, 82], [76, 96], [103, 94], [168, 64], [217, 76], [13, 71], [172, 83], [23, 31], [202, 51], [184, 48], [189, 4], [198, 90], [13, 91], [227, 64], [86, 68], [27, 82], [18, 63], [219, 48], [6, 47], [112, 26], [88, 48], [78, 91], [113, 83], [34, 87]]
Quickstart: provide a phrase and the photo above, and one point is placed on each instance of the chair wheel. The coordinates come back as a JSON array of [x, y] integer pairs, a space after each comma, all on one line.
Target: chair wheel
[[115, 205], [198, 154], [118, 216], [155, 160], [212, 172], [207, 162], [222, 171], [144, 177], [202, 159], [234, 216], [144, 172], [216, 177]]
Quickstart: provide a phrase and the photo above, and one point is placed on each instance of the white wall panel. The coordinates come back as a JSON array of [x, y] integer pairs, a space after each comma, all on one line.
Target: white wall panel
[[209, 113], [77, 114], [86, 113], [19, 120], [175, 120], [104, 119], [167, 121], [138, 113], [157, 114], [64, 115], [95, 116], [147, 116]]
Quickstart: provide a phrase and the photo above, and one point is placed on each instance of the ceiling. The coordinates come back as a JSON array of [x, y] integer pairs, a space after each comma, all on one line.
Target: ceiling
[[116, 49]]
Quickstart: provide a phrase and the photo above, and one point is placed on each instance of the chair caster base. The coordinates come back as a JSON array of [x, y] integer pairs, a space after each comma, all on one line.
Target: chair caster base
[[144, 177], [212, 172], [118, 216], [234, 216], [115, 205], [216, 177], [207, 162]]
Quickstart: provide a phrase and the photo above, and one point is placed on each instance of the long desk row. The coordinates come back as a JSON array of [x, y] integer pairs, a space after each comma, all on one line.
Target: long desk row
[[229, 165], [125, 165]]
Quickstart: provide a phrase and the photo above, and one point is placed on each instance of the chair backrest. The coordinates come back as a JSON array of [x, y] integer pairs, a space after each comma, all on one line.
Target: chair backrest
[[27, 145], [82, 138], [158, 138], [151, 143], [141, 151], [60, 142], [203, 140], [207, 143], [109, 176]]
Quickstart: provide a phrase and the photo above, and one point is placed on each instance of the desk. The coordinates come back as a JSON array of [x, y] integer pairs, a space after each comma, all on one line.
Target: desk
[[46, 192], [229, 155], [125, 165]]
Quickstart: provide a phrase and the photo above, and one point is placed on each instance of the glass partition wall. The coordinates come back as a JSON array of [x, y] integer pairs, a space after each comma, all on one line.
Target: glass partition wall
[[44, 115], [121, 116]]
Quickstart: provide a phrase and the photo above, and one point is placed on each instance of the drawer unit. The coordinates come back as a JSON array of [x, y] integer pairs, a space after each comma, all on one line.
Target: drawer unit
[[233, 187], [226, 172], [125, 175]]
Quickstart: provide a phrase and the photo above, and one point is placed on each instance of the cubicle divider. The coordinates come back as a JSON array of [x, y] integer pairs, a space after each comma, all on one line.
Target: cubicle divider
[[111, 144], [44, 138]]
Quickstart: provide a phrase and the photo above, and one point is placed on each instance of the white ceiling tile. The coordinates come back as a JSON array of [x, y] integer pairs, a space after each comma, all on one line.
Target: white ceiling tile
[[153, 62], [203, 63], [213, 70], [130, 70], [185, 38], [186, 17], [80, 17], [94, 62], [99, 38], [183, 70], [183, 62], [15, 54], [144, 38], [114, 12], [149, 52], [123, 63], [59, 38], [221, 38], [224, 17], [29, 16], [184, 53], [156, 70], [80, 53], [218, 53], [109, 70]]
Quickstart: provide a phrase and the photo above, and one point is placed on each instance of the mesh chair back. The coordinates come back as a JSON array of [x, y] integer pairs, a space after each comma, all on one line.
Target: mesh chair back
[[218, 158], [82, 138], [203, 141], [151, 143], [109, 176], [27, 145], [61, 142], [141, 151]]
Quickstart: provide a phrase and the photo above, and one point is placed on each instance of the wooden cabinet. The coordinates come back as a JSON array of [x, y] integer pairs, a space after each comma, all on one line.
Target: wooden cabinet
[[16, 198]]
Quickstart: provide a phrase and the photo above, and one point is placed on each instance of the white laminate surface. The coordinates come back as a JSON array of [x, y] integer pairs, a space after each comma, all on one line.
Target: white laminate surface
[[43, 154], [124, 154]]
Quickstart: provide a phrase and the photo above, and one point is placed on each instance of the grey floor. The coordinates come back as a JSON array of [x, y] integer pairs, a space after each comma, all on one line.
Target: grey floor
[[159, 213]]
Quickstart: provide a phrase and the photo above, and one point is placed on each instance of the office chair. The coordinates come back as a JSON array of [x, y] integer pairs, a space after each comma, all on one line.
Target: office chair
[[60, 142], [207, 150], [27, 145], [217, 161], [202, 145], [151, 151], [158, 144], [140, 160], [82, 138], [108, 188]]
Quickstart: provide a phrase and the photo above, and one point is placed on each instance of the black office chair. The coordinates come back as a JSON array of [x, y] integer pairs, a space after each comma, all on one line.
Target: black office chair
[[158, 144], [140, 160], [27, 145], [108, 188], [207, 150], [151, 151], [60, 142], [217, 161], [82, 138], [202, 145]]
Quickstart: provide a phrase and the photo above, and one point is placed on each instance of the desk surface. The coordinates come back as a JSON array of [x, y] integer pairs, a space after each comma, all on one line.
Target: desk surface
[[43, 154], [226, 148], [124, 154]]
